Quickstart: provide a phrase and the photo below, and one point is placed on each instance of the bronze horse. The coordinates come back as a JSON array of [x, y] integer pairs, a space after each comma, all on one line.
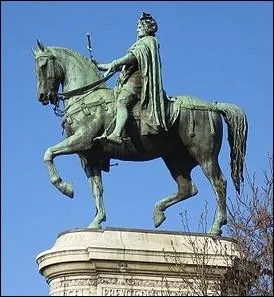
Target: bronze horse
[[194, 136]]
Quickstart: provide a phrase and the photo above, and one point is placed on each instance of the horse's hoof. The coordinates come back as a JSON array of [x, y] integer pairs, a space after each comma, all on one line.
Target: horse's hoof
[[68, 190], [94, 226], [214, 232], [158, 218]]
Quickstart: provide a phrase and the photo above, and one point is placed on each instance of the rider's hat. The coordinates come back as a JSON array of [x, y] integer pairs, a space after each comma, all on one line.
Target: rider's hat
[[149, 22]]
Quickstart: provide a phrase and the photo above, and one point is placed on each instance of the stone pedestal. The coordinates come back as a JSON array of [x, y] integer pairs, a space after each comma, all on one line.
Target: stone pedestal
[[123, 262]]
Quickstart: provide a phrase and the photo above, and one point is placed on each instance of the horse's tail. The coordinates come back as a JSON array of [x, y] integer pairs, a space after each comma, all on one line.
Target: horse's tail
[[237, 127]]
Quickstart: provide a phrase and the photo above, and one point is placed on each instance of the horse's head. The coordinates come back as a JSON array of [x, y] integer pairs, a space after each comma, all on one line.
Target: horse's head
[[48, 73]]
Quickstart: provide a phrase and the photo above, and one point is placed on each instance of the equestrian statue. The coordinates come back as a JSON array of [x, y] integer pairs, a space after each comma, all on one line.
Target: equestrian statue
[[136, 121]]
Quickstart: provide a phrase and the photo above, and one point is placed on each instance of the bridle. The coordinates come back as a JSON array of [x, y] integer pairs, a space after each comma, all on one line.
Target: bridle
[[50, 76], [51, 79]]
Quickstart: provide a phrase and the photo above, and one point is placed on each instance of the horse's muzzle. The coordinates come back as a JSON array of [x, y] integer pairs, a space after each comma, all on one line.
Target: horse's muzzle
[[45, 99]]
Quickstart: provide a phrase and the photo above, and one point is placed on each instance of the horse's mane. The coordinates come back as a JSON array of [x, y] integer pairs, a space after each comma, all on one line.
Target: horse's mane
[[77, 55]]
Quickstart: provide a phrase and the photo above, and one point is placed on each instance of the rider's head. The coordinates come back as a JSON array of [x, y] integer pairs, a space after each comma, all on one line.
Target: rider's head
[[146, 25]]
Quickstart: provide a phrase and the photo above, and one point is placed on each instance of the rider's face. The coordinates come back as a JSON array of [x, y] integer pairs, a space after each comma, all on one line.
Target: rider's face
[[141, 32]]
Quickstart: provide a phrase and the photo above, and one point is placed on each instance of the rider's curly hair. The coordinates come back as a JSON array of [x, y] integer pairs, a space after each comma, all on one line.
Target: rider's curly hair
[[149, 23]]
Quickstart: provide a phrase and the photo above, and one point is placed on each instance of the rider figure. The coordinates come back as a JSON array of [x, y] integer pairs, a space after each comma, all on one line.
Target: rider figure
[[140, 78]]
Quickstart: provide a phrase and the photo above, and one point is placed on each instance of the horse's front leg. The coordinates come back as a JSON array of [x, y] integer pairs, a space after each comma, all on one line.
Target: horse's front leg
[[71, 145], [95, 181]]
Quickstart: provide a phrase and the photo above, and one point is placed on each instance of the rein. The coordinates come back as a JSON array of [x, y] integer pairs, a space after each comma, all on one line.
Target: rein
[[66, 95], [91, 87], [81, 90]]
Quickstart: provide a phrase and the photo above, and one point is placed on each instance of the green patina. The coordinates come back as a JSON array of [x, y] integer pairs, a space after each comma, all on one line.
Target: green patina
[[137, 121]]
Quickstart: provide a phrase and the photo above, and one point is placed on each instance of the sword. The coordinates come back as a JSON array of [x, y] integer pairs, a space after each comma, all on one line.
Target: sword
[[89, 47]]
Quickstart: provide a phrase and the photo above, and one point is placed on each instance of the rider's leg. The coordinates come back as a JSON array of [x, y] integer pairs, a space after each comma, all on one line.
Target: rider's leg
[[124, 100]]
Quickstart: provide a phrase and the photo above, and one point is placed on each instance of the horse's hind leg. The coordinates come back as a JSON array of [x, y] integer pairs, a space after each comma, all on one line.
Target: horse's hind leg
[[180, 172], [213, 172]]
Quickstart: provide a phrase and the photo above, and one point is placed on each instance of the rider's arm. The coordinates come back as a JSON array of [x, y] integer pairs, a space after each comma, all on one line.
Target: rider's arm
[[128, 59], [116, 65]]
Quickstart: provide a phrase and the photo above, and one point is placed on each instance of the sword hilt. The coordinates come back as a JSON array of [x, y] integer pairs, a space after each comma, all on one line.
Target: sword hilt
[[90, 48], [89, 42]]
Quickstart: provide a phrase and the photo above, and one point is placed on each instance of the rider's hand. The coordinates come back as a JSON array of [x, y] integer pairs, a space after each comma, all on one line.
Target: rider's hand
[[103, 66], [110, 67], [113, 66]]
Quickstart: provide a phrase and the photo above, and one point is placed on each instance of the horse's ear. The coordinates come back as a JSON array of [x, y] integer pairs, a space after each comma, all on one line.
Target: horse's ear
[[33, 52], [40, 45]]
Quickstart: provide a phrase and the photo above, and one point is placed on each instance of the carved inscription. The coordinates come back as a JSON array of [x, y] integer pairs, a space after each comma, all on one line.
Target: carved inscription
[[71, 287], [72, 283], [106, 291], [138, 282], [130, 282], [75, 292]]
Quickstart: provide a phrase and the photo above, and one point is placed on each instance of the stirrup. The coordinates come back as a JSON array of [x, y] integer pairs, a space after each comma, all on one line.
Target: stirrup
[[114, 139], [102, 137]]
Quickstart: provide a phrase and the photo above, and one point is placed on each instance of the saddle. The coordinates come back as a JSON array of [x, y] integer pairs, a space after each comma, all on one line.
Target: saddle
[[173, 105], [171, 111]]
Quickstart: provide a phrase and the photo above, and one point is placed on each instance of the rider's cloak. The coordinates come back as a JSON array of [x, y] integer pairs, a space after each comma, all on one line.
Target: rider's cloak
[[146, 51]]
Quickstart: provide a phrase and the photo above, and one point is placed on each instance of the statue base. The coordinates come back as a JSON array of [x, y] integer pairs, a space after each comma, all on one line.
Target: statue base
[[129, 262]]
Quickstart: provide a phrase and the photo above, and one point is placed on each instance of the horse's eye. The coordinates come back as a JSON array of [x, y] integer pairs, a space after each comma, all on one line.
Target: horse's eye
[[42, 62]]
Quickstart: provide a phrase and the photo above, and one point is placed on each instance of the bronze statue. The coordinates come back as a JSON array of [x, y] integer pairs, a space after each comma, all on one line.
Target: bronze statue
[[140, 78], [188, 131]]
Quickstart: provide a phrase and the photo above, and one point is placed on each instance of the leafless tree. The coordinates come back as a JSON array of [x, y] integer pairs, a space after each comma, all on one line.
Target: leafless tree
[[250, 225]]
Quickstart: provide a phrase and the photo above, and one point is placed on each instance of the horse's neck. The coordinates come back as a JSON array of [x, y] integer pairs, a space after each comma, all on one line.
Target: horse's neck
[[78, 71]]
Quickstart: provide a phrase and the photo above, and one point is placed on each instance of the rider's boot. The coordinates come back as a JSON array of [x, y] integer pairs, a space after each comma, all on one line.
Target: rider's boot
[[121, 118]]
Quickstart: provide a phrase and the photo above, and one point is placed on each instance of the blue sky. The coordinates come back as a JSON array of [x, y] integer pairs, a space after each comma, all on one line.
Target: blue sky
[[218, 51]]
